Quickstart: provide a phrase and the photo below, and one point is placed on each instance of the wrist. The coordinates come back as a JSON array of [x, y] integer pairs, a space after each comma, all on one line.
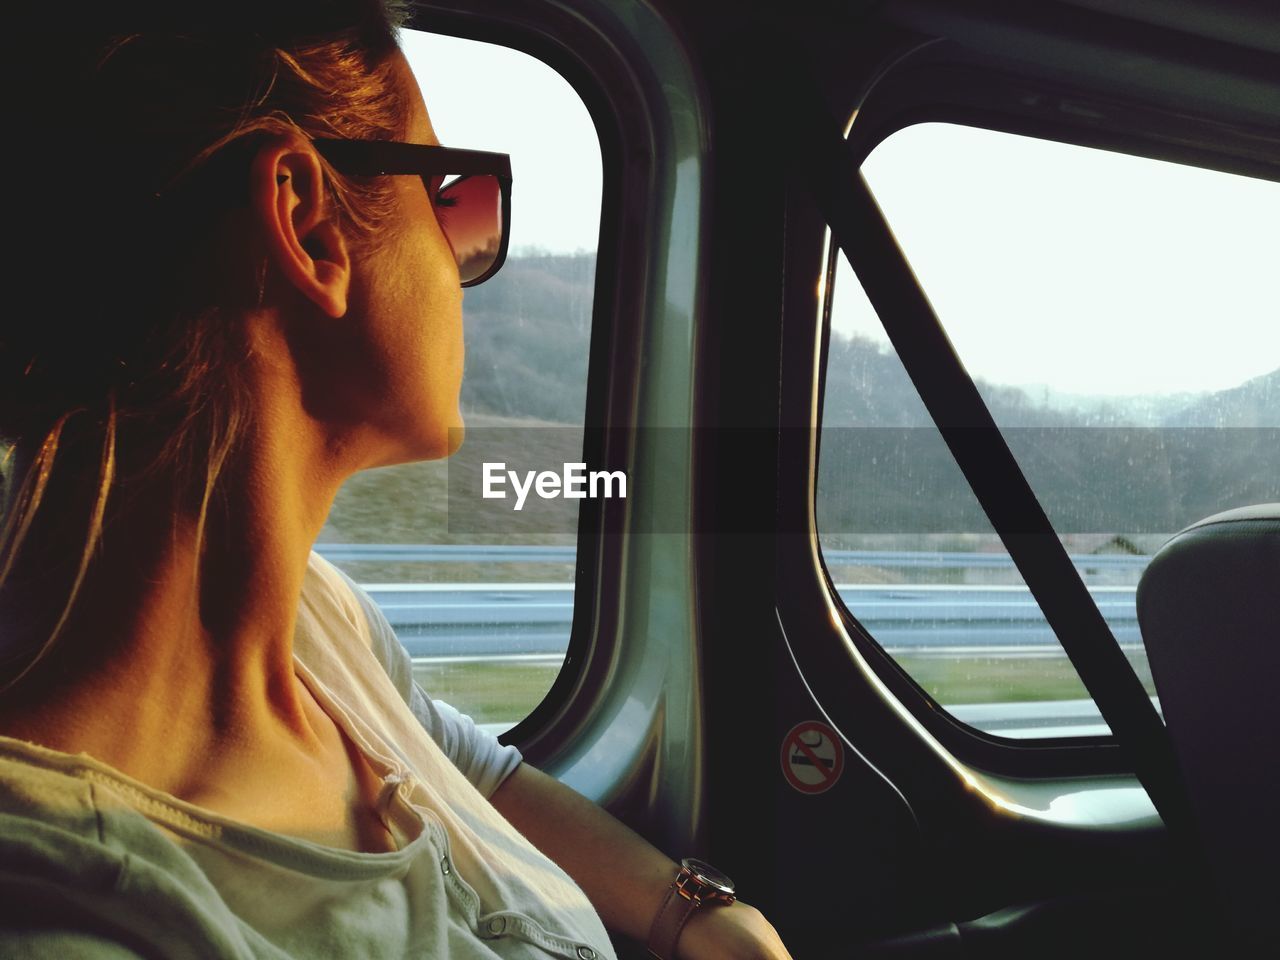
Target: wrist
[[697, 888]]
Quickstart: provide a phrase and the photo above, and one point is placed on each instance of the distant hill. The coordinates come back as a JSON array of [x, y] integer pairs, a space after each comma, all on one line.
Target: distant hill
[[1255, 403], [1154, 464], [528, 332], [868, 386], [883, 467]]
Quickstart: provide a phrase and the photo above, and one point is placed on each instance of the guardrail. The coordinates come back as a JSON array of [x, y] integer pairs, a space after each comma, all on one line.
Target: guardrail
[[446, 553], [544, 553], [496, 620], [943, 620]]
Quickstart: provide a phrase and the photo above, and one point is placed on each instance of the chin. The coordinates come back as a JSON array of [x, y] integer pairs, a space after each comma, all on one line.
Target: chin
[[456, 434], [445, 437], [434, 442]]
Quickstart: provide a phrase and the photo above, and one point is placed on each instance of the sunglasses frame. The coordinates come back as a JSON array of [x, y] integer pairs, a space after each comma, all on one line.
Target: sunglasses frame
[[376, 158]]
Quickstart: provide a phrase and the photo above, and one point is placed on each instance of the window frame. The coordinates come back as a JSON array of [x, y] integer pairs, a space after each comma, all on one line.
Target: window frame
[[648, 104], [939, 83]]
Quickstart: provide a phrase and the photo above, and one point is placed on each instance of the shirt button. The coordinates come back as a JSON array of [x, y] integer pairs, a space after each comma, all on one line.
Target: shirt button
[[497, 925], [586, 953], [444, 866]]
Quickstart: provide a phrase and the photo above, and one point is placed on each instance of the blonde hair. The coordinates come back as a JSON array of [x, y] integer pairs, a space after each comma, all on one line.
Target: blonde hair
[[149, 347]]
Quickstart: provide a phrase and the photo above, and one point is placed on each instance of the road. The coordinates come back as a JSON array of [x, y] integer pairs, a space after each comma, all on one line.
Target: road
[[502, 620], [530, 622]]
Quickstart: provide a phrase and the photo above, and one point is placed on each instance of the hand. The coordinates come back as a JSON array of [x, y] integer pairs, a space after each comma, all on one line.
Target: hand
[[735, 932]]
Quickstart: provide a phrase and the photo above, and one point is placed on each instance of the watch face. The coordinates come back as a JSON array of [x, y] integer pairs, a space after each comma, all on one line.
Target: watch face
[[709, 874]]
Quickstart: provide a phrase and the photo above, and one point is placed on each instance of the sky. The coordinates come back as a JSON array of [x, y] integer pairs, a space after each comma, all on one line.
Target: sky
[[481, 96], [1051, 265], [1086, 271]]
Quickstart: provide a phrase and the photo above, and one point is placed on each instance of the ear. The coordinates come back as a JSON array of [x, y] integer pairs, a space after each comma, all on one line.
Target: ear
[[298, 223]]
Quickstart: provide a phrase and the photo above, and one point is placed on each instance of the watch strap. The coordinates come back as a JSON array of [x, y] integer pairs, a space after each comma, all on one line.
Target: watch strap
[[667, 925]]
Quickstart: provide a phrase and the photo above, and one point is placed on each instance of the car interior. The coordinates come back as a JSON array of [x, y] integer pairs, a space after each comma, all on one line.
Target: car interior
[[941, 608]]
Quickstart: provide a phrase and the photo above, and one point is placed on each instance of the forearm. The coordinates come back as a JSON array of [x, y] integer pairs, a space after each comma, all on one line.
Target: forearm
[[624, 876]]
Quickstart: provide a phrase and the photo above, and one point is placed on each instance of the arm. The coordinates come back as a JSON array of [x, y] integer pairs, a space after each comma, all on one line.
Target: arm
[[623, 875]]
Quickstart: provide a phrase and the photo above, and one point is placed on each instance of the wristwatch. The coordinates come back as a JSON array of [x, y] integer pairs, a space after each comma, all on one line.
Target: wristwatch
[[696, 884]]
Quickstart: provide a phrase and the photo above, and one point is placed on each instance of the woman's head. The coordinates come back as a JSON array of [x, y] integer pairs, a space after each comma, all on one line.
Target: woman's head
[[150, 253], [172, 104], [376, 331]]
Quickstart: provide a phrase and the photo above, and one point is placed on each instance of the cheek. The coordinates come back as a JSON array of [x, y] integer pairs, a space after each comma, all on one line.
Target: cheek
[[433, 315], [416, 320], [436, 304]]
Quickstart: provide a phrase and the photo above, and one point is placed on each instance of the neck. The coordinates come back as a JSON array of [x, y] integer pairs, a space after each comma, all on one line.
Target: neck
[[176, 642]]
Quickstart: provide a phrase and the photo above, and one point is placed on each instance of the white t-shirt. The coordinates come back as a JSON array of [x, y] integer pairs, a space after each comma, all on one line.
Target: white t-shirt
[[95, 865]]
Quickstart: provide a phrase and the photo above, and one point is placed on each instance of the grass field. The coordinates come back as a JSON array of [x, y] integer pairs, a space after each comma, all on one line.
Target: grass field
[[1011, 680], [508, 692], [488, 692]]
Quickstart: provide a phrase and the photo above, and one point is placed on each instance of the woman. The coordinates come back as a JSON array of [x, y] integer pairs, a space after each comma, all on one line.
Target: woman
[[210, 744]]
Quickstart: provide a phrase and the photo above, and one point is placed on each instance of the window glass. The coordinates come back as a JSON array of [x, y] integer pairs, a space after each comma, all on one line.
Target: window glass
[[1119, 316], [485, 608]]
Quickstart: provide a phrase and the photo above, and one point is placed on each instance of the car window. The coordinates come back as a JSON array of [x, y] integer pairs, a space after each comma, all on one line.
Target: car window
[[1119, 317], [485, 605]]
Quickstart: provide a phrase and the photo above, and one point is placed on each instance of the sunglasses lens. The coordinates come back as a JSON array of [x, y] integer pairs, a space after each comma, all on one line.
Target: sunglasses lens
[[470, 213]]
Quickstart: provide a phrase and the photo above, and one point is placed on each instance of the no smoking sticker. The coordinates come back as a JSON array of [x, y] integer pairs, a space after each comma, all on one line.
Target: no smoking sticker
[[812, 757]]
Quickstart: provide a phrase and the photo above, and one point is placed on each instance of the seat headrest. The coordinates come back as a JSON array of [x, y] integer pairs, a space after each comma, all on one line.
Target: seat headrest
[[1209, 611]]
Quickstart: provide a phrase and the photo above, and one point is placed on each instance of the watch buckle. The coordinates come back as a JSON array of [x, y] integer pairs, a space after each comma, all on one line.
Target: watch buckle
[[683, 882]]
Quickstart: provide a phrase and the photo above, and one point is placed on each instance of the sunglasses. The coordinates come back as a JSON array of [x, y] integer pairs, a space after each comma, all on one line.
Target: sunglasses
[[470, 191]]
